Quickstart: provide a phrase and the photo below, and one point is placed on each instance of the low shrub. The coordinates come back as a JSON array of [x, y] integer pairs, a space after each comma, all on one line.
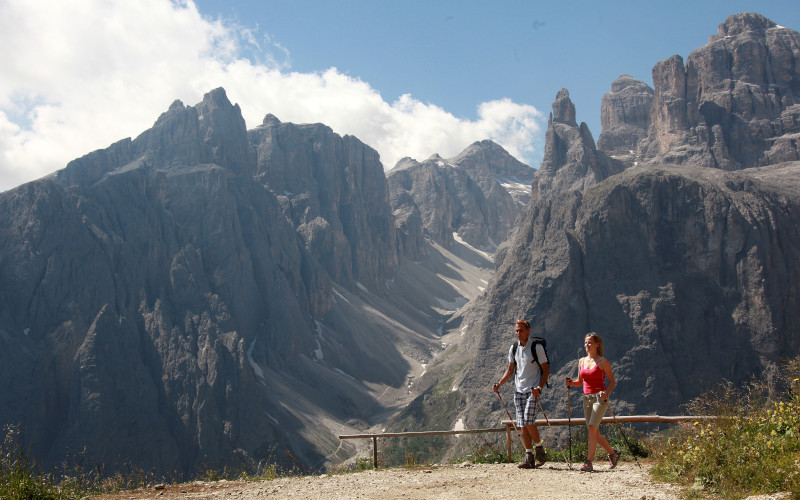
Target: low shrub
[[20, 476], [752, 447]]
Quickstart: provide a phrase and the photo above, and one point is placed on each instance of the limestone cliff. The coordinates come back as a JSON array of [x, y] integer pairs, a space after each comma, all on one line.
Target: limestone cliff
[[201, 297], [625, 117], [476, 195], [571, 159], [733, 104], [678, 241], [334, 191]]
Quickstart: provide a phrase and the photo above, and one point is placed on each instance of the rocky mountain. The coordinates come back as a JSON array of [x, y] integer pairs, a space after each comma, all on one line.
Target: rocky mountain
[[474, 196], [571, 159], [489, 164], [204, 296], [334, 192], [625, 115], [732, 105], [677, 239]]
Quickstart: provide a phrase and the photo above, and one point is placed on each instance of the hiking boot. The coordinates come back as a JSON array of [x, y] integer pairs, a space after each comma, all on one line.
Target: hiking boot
[[529, 462], [614, 458], [541, 457], [587, 467]]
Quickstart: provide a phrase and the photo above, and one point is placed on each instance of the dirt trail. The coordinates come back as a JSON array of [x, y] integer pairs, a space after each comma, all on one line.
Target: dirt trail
[[462, 481]]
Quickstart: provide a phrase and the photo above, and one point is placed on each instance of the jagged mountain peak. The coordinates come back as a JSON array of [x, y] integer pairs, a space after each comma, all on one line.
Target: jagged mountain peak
[[623, 82], [736, 24], [211, 132], [183, 284], [404, 163], [176, 105], [270, 119], [489, 154], [571, 160], [217, 96], [215, 101], [477, 147], [489, 163], [564, 109], [734, 103], [625, 116], [672, 255], [476, 195]]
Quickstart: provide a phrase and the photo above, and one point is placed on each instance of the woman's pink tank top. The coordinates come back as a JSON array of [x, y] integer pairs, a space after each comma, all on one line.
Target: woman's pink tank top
[[594, 380]]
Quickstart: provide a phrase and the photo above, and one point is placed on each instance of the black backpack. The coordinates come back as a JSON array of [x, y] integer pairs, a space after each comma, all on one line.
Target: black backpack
[[535, 340]]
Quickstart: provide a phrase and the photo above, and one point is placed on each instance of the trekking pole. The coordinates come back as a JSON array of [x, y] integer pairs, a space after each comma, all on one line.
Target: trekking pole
[[550, 426], [623, 436], [513, 422], [569, 425]]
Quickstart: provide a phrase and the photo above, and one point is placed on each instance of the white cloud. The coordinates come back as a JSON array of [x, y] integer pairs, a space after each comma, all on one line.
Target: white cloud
[[80, 75]]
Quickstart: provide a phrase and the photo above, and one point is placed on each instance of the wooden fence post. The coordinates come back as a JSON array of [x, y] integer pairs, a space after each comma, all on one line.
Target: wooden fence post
[[375, 452], [508, 441]]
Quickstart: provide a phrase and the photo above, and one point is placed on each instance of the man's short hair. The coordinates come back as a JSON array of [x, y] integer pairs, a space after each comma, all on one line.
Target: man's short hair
[[524, 322]]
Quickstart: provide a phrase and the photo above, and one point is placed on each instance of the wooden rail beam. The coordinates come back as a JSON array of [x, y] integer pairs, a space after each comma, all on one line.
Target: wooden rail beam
[[421, 433], [623, 418], [508, 425]]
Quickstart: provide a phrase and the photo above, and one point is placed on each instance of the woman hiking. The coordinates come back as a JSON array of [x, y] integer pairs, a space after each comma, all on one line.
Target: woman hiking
[[592, 373]]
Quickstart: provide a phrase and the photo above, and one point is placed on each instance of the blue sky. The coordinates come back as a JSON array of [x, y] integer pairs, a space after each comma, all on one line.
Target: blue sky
[[409, 78], [457, 54]]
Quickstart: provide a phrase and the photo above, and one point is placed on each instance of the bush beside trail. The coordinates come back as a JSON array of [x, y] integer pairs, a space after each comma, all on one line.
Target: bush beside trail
[[753, 448]]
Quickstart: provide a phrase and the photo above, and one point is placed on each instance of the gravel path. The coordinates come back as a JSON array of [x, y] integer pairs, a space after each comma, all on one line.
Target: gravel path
[[463, 481]]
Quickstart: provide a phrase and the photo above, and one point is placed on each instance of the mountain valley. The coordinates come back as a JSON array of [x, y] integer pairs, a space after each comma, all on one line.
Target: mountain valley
[[207, 296]]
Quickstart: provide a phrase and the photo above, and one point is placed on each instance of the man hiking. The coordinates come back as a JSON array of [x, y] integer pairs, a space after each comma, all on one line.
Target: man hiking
[[530, 369]]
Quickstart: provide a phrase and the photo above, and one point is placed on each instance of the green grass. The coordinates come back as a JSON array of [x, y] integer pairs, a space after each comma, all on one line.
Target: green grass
[[20, 477]]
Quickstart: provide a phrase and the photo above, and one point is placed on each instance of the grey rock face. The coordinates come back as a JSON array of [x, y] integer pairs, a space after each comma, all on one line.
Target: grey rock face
[[476, 195], [684, 256], [625, 117], [211, 132], [563, 109], [571, 160], [164, 308], [435, 186], [334, 191], [734, 104], [492, 168], [681, 270], [142, 315], [409, 224]]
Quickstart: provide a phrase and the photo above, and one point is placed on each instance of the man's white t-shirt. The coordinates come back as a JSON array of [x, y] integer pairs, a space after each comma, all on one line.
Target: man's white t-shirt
[[528, 373]]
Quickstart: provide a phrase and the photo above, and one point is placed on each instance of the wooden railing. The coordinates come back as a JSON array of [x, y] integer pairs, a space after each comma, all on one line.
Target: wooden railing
[[509, 426]]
